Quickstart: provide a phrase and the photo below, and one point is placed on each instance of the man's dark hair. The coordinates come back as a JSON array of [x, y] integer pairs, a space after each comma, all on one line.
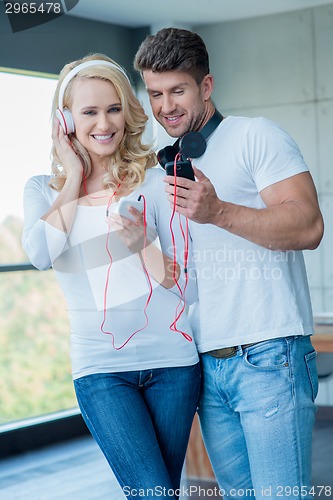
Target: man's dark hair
[[174, 49]]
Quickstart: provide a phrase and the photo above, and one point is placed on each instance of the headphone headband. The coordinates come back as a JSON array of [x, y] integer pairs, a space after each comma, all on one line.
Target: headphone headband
[[73, 72], [211, 125], [191, 144]]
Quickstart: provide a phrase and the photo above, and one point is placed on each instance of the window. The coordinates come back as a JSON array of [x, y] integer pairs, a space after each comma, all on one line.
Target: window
[[25, 103], [34, 330]]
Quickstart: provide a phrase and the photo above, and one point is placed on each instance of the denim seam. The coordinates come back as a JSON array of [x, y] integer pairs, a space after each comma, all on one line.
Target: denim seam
[[308, 357], [289, 343]]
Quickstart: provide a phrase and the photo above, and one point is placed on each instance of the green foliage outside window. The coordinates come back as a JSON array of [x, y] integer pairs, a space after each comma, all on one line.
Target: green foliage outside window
[[35, 370]]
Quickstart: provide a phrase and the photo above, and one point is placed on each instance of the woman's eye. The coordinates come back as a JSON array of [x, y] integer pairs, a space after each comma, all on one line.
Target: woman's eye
[[115, 109]]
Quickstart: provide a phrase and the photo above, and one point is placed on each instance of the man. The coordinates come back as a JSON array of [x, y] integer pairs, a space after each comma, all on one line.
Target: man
[[252, 209]]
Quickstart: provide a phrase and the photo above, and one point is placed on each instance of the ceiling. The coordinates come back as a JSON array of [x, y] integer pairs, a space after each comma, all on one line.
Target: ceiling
[[183, 13]]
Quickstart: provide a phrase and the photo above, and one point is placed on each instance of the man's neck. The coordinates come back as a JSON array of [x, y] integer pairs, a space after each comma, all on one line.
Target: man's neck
[[209, 112]]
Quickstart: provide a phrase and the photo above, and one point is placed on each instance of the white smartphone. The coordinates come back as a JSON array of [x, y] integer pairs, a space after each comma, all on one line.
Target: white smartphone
[[124, 204]]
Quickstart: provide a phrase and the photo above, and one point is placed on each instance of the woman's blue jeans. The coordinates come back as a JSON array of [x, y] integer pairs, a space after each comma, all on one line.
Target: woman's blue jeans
[[142, 420], [257, 413]]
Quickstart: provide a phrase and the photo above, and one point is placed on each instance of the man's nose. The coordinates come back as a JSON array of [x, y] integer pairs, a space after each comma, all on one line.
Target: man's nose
[[167, 105]]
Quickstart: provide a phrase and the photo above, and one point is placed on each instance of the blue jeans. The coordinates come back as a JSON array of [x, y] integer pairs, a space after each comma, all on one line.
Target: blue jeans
[[257, 413], [141, 420]]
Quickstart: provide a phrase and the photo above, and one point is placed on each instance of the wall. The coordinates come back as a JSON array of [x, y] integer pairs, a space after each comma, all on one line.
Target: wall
[[48, 47], [281, 67], [277, 66]]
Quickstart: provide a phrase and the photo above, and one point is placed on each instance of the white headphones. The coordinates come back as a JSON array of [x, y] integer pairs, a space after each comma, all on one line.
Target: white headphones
[[63, 114]]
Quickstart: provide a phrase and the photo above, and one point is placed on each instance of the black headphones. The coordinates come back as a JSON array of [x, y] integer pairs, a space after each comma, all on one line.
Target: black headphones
[[190, 145]]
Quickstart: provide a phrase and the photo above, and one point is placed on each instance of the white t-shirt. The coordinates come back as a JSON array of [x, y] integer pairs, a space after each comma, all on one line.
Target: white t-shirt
[[246, 292], [82, 263]]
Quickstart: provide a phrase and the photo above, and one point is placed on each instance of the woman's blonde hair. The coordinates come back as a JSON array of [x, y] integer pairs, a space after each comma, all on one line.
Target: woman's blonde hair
[[127, 165]]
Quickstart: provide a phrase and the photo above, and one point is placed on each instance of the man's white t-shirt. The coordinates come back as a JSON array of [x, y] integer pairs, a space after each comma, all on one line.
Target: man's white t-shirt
[[247, 293]]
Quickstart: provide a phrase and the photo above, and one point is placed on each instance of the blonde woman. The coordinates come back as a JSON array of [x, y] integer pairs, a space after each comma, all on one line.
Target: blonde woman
[[135, 366]]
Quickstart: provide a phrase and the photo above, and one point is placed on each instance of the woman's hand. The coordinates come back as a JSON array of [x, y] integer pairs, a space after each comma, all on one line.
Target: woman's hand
[[70, 161], [62, 212], [132, 232]]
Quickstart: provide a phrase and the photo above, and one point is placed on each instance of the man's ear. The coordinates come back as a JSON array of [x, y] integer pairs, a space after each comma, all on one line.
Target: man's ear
[[207, 86]]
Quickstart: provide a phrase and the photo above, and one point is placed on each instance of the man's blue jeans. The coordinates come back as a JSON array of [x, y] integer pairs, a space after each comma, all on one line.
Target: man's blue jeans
[[257, 413], [142, 420]]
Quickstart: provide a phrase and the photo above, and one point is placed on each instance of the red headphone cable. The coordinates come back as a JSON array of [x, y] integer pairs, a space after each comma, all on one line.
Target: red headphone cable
[[185, 235], [143, 260]]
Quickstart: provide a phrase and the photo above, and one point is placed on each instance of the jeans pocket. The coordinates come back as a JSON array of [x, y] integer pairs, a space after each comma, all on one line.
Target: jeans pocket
[[310, 361], [269, 355]]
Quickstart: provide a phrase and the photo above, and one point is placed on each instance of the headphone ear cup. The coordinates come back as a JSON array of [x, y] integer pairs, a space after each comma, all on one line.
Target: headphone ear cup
[[66, 120], [166, 155], [192, 145]]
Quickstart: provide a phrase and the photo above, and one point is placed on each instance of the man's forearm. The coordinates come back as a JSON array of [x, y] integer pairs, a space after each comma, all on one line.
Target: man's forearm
[[287, 226]]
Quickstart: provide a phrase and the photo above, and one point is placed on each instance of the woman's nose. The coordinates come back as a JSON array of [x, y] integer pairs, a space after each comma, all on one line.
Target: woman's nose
[[104, 121]]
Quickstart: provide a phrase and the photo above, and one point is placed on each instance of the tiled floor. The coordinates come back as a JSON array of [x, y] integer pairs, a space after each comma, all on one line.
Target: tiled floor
[[77, 470]]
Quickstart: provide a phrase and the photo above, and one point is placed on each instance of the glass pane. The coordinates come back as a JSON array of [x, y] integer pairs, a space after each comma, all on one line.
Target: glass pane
[[35, 368], [25, 103]]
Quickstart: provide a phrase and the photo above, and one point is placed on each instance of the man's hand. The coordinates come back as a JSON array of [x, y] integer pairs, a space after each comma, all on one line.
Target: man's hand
[[196, 200]]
